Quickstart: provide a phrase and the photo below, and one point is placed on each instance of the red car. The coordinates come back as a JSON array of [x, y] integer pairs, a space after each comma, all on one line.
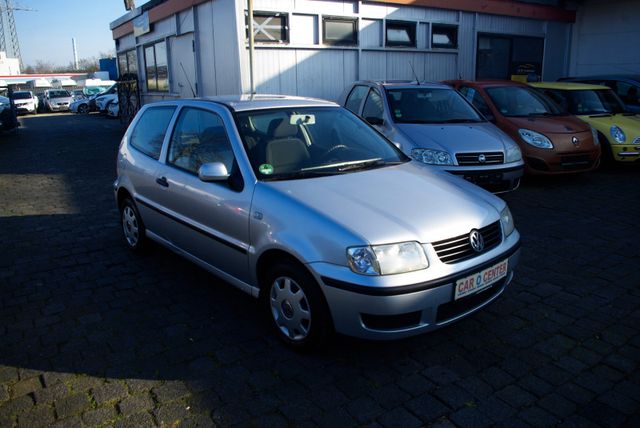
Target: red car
[[552, 140]]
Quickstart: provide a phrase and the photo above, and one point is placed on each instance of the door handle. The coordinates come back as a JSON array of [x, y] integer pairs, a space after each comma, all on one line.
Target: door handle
[[162, 181]]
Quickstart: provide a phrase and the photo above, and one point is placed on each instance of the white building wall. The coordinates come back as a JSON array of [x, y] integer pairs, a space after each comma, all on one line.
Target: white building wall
[[307, 67], [606, 38]]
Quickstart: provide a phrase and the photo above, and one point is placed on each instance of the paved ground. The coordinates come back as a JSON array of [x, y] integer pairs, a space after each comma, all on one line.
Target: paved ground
[[91, 335]]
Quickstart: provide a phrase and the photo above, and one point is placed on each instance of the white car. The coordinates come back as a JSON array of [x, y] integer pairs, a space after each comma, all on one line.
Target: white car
[[102, 102], [25, 101], [113, 109]]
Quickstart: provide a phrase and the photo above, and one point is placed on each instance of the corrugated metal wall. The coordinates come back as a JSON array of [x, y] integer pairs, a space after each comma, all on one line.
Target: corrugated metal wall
[[307, 67], [606, 38]]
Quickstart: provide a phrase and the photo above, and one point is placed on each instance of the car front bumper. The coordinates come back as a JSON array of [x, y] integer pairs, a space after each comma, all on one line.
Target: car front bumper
[[625, 152], [494, 178], [372, 308]]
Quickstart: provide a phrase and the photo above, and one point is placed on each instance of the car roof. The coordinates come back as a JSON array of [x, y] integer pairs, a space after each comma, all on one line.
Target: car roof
[[266, 101], [488, 83], [402, 84], [635, 77], [567, 86]]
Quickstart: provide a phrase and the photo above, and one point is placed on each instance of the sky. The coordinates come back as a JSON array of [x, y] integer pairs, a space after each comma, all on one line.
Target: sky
[[45, 34]]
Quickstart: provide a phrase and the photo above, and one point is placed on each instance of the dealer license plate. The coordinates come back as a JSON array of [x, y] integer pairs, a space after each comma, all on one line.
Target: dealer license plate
[[481, 280]]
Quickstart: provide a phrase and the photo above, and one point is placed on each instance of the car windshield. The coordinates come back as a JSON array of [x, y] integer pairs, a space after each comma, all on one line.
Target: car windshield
[[294, 143], [21, 95], [426, 105], [517, 101], [588, 101], [58, 94]]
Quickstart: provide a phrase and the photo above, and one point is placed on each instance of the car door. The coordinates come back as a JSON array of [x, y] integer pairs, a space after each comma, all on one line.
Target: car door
[[211, 219], [138, 161]]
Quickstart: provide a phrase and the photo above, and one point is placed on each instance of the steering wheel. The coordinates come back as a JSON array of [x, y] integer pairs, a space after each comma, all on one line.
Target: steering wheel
[[334, 153]]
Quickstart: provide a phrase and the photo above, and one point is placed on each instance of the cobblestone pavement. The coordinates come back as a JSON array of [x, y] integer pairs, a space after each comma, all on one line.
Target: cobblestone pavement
[[91, 335]]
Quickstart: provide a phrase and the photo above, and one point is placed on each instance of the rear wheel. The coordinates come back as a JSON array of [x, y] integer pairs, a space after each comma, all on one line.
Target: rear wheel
[[296, 306], [132, 226]]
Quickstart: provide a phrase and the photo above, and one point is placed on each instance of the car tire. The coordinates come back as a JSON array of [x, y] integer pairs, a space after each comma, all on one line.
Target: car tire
[[606, 159], [83, 109], [133, 229], [295, 306]]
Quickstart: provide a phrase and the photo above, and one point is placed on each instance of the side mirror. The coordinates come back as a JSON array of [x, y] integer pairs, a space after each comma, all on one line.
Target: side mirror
[[213, 171], [374, 120]]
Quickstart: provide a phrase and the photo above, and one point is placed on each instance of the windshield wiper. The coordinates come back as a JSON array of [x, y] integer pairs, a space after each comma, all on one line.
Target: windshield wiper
[[603, 114], [545, 114], [298, 175]]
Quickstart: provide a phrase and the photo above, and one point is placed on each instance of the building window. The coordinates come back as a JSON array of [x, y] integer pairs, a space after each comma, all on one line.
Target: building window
[[339, 31], [128, 63], [269, 27], [444, 36], [155, 60], [401, 33]]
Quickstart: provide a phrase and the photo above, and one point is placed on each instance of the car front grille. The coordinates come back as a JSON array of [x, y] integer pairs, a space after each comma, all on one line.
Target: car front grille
[[491, 158], [571, 162], [459, 248]]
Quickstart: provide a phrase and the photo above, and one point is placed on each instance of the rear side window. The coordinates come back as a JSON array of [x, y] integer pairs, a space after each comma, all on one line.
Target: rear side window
[[149, 132], [355, 98]]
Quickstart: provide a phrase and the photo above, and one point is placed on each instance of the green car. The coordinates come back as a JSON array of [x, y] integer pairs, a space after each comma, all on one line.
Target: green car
[[618, 130]]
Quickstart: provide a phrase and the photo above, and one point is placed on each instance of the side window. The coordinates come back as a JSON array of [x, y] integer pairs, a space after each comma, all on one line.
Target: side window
[[199, 137], [478, 102], [628, 93], [149, 132], [355, 98], [373, 106]]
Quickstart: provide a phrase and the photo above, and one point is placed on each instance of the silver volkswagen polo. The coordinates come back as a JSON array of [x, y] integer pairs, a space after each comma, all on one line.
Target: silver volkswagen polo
[[303, 205], [434, 124]]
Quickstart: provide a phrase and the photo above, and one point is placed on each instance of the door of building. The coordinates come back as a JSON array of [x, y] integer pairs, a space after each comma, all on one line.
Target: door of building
[[509, 57], [183, 69]]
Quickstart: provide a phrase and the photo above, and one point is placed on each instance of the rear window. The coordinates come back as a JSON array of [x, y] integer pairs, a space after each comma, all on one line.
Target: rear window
[[149, 132]]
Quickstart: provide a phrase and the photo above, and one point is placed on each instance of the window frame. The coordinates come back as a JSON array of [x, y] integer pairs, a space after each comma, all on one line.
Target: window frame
[[125, 55], [153, 45], [412, 30], [264, 13], [352, 20], [437, 25]]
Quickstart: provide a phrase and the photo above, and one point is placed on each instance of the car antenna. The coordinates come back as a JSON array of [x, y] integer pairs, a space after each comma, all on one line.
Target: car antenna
[[414, 73]]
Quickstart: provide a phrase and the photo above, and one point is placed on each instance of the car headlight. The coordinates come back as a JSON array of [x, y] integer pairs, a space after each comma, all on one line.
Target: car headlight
[[431, 157], [512, 153], [506, 219], [535, 139], [387, 259], [618, 134], [596, 139]]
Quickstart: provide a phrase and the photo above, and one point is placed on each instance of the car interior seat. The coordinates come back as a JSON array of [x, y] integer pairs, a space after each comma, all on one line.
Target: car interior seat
[[285, 151]]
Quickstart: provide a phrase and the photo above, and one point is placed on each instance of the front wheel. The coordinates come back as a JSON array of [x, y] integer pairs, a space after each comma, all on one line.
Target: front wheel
[[132, 226], [83, 108], [296, 306]]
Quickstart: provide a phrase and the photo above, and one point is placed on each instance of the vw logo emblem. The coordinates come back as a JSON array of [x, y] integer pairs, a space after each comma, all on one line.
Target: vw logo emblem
[[482, 158], [476, 240], [575, 141]]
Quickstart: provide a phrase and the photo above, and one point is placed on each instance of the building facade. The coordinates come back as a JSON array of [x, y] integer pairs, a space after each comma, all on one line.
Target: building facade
[[186, 48]]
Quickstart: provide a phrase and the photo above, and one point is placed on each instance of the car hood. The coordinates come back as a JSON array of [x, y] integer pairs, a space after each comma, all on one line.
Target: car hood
[[408, 202], [550, 125], [629, 124], [455, 137]]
